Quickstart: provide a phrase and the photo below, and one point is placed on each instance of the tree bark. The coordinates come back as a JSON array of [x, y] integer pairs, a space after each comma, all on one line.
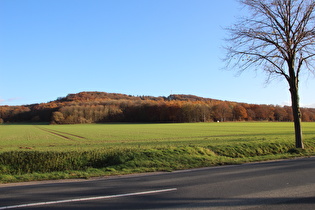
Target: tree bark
[[296, 115]]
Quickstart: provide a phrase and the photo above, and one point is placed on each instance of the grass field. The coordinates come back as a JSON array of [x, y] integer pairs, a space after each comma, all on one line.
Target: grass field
[[92, 136], [35, 152]]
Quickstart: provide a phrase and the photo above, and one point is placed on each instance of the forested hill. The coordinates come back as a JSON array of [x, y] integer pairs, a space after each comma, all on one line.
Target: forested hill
[[95, 107], [103, 96]]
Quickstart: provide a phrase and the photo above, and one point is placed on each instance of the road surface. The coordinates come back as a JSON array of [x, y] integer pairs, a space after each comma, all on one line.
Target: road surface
[[288, 184]]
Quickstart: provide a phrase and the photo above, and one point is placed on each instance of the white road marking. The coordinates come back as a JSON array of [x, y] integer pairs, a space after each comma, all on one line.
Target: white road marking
[[88, 199]]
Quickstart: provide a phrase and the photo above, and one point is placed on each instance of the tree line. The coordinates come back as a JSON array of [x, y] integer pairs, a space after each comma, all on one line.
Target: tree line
[[99, 107]]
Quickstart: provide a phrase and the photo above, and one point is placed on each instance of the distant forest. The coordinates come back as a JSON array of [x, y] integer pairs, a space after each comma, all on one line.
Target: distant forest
[[99, 107]]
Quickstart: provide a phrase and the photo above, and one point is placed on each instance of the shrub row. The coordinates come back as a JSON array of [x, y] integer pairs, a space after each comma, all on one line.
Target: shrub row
[[22, 162]]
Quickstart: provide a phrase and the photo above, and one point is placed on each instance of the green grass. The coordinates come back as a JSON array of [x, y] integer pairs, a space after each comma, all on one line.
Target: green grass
[[38, 152], [94, 136]]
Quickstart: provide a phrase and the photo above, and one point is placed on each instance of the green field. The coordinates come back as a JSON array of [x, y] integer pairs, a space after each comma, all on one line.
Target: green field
[[37, 151], [92, 136]]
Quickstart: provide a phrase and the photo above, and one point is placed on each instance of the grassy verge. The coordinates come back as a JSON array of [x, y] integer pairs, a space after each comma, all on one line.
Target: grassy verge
[[17, 166]]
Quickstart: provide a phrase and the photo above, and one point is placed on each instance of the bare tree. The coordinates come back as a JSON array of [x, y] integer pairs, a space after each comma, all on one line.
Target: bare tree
[[278, 37]]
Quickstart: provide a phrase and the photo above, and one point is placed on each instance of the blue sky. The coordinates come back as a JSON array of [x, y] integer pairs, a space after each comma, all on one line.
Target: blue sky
[[50, 48]]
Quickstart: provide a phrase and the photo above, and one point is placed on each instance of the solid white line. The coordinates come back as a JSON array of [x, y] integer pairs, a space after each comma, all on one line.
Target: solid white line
[[88, 199]]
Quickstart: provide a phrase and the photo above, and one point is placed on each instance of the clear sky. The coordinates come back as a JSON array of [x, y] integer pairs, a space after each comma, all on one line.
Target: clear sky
[[50, 48]]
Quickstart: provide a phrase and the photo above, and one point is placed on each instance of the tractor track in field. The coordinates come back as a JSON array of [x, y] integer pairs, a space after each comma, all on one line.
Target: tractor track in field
[[61, 134]]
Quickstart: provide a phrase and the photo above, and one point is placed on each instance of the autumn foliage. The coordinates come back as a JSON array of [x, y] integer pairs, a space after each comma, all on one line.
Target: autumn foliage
[[97, 107]]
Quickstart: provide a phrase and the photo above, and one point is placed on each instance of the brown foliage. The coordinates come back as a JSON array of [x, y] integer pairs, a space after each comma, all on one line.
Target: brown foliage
[[90, 107]]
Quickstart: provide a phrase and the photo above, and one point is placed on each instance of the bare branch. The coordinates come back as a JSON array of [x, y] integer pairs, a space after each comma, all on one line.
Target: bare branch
[[278, 34]]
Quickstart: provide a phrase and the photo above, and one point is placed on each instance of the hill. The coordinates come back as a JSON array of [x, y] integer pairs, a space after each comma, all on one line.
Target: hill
[[95, 107]]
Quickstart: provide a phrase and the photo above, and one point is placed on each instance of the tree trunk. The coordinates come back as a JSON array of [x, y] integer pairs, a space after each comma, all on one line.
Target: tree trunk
[[296, 115]]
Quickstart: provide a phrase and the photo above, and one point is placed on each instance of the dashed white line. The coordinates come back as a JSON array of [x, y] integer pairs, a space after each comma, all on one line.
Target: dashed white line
[[88, 199]]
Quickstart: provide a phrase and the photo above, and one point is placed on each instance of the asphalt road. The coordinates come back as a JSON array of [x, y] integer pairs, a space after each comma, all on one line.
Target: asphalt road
[[288, 184]]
